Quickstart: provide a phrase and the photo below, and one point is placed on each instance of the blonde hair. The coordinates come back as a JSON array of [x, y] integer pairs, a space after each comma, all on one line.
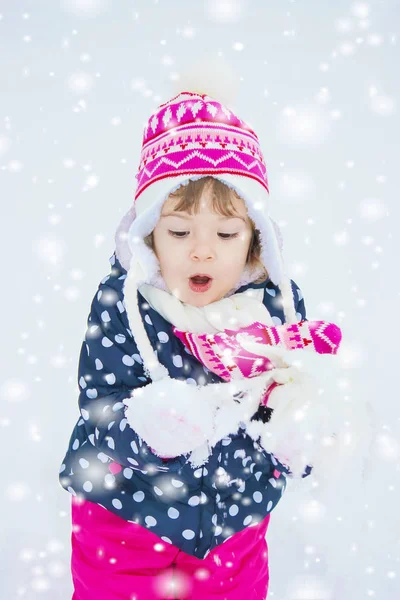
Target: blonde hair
[[188, 197]]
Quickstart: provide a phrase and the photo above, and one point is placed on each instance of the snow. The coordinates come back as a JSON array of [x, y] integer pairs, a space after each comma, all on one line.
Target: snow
[[80, 80]]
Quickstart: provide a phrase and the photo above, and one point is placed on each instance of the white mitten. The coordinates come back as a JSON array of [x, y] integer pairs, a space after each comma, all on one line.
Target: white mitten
[[237, 401], [234, 403], [174, 417], [308, 410], [169, 416]]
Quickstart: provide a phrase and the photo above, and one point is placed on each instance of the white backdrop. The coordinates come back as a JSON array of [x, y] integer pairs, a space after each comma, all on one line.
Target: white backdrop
[[319, 83]]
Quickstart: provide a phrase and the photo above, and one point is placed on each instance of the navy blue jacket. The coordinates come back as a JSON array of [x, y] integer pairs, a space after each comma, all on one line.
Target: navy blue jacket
[[194, 509]]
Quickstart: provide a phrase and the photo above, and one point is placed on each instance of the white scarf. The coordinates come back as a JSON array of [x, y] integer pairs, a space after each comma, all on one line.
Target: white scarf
[[238, 310]]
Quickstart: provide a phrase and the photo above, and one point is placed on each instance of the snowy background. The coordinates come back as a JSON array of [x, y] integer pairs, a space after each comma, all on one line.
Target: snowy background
[[319, 83]]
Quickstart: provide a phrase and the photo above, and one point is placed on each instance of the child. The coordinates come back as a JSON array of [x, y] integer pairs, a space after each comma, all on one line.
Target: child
[[172, 495]]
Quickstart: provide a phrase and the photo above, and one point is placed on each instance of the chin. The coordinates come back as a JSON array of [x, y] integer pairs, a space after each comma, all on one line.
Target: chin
[[194, 299], [203, 299]]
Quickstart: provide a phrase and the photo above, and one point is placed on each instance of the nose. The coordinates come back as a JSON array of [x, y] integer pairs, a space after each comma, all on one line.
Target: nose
[[202, 251]]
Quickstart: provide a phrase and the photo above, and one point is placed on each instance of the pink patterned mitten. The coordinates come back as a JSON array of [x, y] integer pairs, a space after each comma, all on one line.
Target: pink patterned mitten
[[223, 352]]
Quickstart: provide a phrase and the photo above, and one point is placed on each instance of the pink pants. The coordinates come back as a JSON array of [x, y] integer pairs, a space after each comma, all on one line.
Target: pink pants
[[113, 559]]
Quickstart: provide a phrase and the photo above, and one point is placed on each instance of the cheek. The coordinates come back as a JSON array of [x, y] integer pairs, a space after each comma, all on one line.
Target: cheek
[[157, 242], [162, 250], [242, 245]]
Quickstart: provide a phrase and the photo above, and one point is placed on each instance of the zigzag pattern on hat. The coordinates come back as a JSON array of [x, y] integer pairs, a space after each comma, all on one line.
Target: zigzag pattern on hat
[[196, 163]]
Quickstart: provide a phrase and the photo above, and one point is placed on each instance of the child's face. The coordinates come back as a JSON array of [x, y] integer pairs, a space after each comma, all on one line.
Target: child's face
[[202, 245]]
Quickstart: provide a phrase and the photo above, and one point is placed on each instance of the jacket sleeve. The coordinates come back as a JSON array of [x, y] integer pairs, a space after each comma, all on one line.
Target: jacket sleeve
[[110, 368]]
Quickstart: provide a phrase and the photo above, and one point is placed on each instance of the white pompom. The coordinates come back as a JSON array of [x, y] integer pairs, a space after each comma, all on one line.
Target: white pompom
[[212, 75]]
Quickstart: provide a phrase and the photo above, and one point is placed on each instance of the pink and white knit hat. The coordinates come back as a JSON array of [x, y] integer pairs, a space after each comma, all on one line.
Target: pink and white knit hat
[[191, 136]]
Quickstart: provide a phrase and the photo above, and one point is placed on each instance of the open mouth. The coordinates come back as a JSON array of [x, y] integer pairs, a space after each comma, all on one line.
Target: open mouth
[[200, 283]]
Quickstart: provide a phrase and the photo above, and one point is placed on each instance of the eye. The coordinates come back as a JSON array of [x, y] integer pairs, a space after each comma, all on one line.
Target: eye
[[177, 233], [230, 235], [224, 236]]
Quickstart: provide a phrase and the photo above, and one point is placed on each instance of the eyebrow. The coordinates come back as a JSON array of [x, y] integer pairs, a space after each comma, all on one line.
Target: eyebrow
[[183, 216]]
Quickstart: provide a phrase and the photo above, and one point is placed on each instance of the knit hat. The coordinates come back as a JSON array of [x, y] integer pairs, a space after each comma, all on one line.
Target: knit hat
[[188, 137]]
